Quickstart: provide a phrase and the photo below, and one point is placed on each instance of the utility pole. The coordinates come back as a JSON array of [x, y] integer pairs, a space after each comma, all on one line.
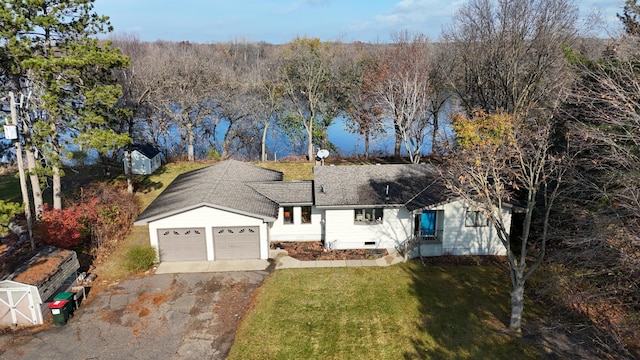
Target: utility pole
[[23, 180]]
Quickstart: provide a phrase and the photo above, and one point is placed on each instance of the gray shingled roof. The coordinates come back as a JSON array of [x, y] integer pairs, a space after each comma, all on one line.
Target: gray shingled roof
[[412, 185], [287, 193], [225, 185], [147, 150]]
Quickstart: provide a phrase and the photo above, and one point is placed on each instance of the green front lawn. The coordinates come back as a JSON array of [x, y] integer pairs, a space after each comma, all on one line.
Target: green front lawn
[[407, 311]]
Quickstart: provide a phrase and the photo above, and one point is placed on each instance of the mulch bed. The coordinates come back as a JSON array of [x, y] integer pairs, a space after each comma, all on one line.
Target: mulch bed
[[465, 260], [313, 250]]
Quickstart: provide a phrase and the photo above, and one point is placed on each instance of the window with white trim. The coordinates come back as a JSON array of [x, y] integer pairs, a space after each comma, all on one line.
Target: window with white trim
[[305, 214], [287, 213], [476, 218], [368, 216]]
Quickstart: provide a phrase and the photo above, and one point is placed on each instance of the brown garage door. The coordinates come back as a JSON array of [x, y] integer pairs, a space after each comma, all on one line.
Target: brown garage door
[[236, 242], [182, 244]]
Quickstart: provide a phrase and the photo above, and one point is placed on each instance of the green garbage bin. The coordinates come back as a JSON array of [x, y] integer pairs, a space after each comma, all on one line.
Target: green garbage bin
[[59, 311], [66, 296]]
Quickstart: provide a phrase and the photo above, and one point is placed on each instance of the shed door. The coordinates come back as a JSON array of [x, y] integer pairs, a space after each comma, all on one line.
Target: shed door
[[17, 307], [236, 242], [182, 244]]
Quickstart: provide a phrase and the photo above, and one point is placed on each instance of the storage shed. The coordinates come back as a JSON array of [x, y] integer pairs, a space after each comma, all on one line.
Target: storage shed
[[145, 159], [25, 291]]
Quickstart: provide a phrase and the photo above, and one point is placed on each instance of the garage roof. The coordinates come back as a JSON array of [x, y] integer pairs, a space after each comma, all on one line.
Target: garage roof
[[224, 185]]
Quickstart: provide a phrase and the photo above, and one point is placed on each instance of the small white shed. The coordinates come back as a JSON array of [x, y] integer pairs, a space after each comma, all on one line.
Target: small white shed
[[24, 292], [20, 304], [145, 159]]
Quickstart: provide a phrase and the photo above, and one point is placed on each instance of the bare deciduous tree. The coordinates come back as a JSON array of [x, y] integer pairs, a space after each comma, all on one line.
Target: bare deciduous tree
[[500, 158], [508, 53], [364, 114], [600, 231], [304, 72], [186, 79], [135, 91], [402, 87]]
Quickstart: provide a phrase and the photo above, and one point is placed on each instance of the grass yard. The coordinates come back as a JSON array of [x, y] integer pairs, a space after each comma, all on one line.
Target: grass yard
[[10, 188], [407, 311], [301, 170]]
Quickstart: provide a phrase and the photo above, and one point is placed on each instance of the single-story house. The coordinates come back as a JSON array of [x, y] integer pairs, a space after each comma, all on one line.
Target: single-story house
[[145, 159], [234, 210]]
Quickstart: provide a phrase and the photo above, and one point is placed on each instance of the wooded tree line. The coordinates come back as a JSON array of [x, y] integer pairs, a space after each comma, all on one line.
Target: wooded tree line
[[546, 118], [236, 99]]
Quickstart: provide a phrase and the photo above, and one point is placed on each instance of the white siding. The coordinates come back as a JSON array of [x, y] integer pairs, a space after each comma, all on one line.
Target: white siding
[[297, 231], [208, 218], [142, 165], [155, 163], [343, 233], [459, 239]]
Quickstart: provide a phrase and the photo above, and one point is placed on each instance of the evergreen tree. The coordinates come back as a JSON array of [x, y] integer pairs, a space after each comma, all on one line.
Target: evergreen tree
[[51, 56]]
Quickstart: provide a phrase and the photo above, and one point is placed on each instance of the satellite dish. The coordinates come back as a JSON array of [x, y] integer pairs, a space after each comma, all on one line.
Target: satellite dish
[[323, 154]]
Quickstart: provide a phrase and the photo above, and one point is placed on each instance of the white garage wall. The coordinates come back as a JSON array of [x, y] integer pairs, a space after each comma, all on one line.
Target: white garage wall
[[343, 233], [297, 231], [208, 218]]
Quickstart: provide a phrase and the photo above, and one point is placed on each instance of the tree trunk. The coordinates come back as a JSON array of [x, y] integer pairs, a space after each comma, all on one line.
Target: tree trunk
[[517, 306], [398, 144], [263, 150], [310, 152], [57, 187], [129, 171], [23, 181], [434, 136], [366, 144], [190, 141], [32, 165]]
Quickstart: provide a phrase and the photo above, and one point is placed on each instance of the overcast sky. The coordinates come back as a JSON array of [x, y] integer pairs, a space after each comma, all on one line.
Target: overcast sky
[[279, 21]]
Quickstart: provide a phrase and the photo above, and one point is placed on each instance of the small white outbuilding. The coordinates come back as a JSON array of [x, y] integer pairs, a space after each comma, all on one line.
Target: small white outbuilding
[[145, 159], [24, 292]]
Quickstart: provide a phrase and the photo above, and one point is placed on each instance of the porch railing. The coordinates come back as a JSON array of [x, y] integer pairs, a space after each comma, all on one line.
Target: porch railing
[[434, 238]]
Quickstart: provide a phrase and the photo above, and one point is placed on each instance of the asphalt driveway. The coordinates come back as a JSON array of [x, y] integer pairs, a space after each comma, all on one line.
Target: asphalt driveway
[[165, 316]]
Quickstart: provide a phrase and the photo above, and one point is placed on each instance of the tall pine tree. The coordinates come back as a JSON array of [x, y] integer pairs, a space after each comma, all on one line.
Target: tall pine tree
[[52, 56]]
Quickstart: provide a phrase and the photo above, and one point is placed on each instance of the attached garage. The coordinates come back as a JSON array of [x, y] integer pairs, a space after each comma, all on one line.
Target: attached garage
[[213, 213], [182, 244], [236, 242]]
